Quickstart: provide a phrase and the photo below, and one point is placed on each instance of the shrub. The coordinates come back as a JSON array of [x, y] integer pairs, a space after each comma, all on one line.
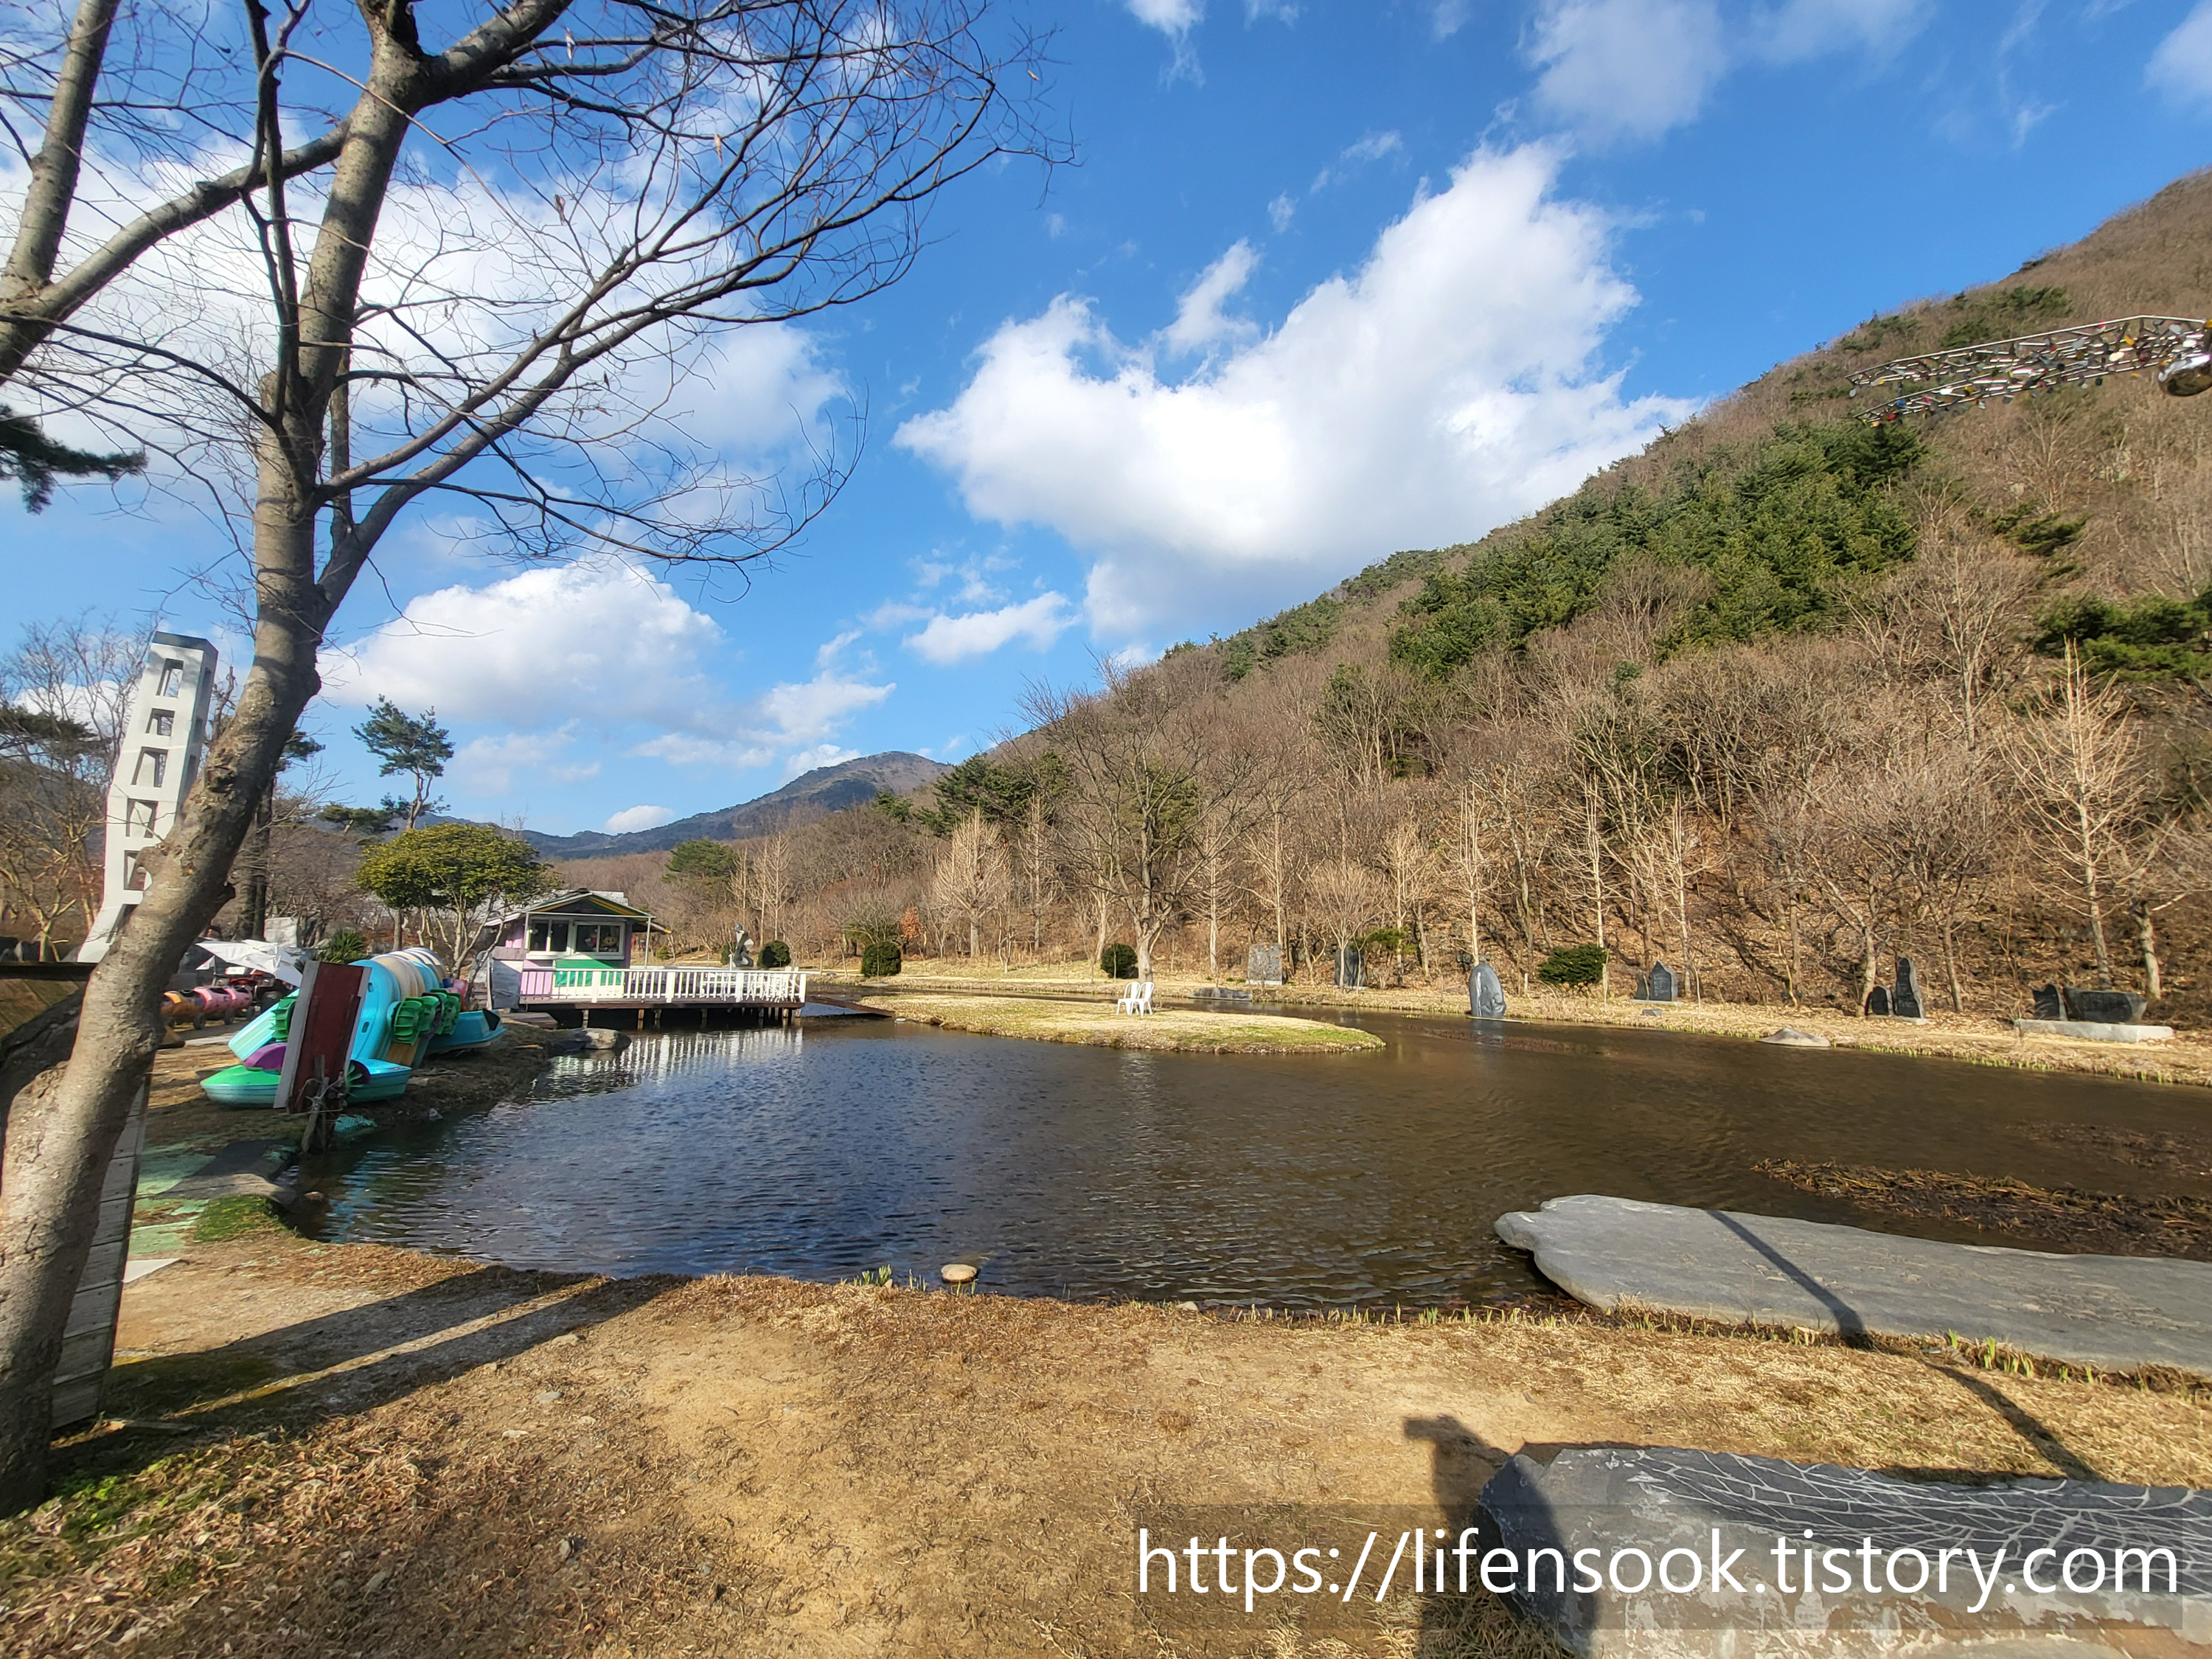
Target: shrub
[[344, 945], [776, 954], [1119, 961], [880, 960], [1573, 964]]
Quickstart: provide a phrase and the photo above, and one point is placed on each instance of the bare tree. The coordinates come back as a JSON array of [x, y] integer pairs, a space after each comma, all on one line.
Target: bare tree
[[2081, 771], [1148, 759], [971, 879], [332, 329]]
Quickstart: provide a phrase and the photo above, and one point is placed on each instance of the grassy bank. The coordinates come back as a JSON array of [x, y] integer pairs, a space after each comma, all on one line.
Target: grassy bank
[[325, 1451], [1187, 1030], [1980, 1039]]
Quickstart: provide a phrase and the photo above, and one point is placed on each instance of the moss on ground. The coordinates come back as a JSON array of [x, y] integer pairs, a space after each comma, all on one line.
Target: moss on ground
[[235, 1217]]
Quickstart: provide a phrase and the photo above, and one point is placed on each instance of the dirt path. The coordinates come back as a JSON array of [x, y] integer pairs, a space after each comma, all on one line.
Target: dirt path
[[330, 1451]]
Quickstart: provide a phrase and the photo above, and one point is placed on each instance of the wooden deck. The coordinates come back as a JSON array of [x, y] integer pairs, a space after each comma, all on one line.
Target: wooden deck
[[758, 992]]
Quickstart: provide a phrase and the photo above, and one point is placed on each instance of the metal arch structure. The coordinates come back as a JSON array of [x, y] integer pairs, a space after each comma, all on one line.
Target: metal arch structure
[[2174, 348]]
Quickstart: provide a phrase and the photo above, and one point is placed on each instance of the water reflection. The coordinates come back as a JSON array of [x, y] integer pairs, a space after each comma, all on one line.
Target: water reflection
[[1301, 1180]]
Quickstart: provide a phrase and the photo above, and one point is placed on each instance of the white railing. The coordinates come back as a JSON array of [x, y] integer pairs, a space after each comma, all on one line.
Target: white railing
[[707, 985]]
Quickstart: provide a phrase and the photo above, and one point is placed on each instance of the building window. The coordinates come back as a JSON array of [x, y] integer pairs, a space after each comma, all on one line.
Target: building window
[[139, 817], [598, 938], [162, 723], [172, 680], [549, 936], [134, 875], [153, 767]]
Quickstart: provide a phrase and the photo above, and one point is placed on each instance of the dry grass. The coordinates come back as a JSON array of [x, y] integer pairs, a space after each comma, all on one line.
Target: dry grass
[[1096, 1023], [2065, 1218], [1979, 1039], [351, 1450]]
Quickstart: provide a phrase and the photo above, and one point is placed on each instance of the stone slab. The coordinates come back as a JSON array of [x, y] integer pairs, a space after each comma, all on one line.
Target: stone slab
[[139, 1267], [1791, 1037], [2117, 1313], [2094, 1030], [1711, 1522]]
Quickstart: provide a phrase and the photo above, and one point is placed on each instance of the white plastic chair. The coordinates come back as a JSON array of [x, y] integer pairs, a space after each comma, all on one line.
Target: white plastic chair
[[1137, 999]]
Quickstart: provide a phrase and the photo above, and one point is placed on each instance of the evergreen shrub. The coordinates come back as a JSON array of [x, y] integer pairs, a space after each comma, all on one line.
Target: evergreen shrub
[[1573, 965], [775, 954], [1119, 961], [880, 960], [344, 945]]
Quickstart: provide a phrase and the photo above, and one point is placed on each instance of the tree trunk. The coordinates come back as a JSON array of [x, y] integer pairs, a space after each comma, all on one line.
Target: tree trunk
[[1951, 966], [2147, 942], [59, 1141]]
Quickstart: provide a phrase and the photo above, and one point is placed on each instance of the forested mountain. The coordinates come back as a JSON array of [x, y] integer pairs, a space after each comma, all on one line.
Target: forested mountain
[[1781, 696]]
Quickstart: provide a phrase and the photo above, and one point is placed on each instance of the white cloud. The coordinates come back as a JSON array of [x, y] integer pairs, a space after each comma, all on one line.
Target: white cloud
[[2181, 68], [1626, 69], [594, 641], [812, 709], [1200, 321], [1449, 18], [1373, 146], [1444, 387], [1805, 29], [593, 646], [638, 817], [1368, 147], [951, 639], [499, 765], [1173, 18], [1281, 211], [1631, 69], [822, 754]]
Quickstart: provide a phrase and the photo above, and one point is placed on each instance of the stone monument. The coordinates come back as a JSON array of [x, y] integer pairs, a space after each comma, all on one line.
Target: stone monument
[[2104, 1007], [1350, 968], [1263, 965], [2047, 1004], [1878, 1001], [1907, 1003], [1485, 997], [1660, 985]]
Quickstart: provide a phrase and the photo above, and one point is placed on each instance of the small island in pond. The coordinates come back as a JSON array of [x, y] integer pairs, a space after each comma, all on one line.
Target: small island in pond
[[1191, 1030]]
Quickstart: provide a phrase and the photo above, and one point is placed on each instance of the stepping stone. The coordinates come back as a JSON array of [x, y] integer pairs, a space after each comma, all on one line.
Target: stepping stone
[[1791, 1037], [2117, 1313], [1633, 1511]]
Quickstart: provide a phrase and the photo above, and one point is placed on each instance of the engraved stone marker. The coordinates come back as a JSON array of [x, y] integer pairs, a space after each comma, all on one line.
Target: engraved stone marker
[[1485, 997]]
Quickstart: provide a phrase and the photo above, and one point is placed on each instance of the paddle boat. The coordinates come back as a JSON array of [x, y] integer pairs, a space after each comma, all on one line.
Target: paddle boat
[[408, 1011]]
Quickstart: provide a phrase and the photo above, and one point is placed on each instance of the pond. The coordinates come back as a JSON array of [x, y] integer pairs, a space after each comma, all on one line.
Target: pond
[[839, 1145]]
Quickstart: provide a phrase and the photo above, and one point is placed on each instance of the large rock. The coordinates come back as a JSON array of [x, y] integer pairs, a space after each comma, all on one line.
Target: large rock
[[2117, 1312], [1652, 1527]]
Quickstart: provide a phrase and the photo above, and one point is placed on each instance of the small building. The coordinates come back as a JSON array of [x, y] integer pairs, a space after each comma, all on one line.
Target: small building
[[581, 928], [583, 952]]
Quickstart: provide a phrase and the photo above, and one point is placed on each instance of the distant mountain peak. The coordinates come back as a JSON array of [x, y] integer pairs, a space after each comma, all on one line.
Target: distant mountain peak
[[811, 795]]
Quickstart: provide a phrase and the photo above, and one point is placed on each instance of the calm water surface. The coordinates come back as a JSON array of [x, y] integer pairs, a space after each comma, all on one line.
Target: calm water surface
[[849, 1143]]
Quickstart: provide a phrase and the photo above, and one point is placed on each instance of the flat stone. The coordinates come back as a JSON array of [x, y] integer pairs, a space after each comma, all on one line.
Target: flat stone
[[957, 1273], [2117, 1313], [1685, 1512], [1791, 1037], [2094, 1030], [139, 1267]]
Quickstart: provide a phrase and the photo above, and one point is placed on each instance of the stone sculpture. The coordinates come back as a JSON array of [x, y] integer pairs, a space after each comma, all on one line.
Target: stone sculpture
[[1485, 997]]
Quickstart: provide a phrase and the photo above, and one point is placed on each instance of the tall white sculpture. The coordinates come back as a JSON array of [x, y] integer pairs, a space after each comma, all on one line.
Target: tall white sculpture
[[164, 735]]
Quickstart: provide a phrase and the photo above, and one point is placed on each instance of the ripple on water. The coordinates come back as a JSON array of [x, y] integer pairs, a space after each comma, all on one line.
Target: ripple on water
[[825, 1151]]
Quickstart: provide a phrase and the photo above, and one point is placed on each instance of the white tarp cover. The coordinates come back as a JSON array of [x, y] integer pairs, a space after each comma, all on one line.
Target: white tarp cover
[[287, 962]]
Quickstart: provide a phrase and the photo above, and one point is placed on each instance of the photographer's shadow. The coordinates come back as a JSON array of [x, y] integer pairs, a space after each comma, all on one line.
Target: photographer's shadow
[[1460, 1464]]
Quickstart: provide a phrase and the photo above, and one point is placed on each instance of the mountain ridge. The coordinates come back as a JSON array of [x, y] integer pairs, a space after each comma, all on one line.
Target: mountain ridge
[[808, 797]]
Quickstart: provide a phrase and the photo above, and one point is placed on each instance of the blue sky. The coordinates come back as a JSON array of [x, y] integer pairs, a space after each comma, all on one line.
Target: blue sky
[[1327, 279]]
